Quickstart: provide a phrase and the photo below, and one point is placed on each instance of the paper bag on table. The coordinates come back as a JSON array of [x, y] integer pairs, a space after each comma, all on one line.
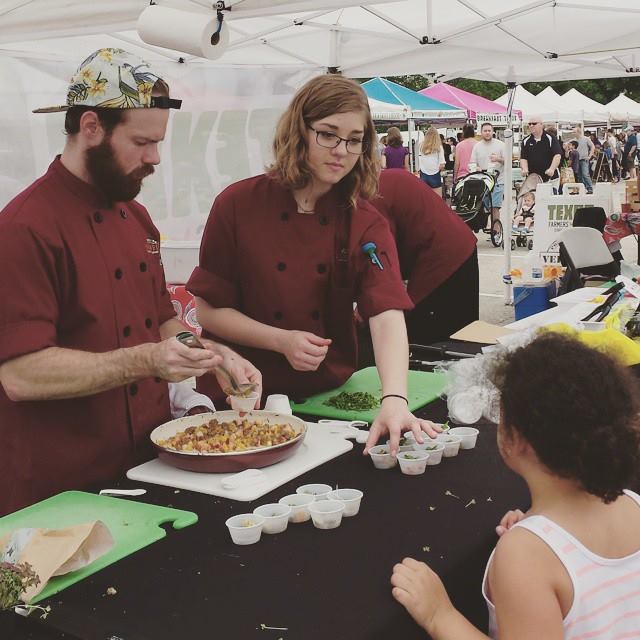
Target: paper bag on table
[[54, 552]]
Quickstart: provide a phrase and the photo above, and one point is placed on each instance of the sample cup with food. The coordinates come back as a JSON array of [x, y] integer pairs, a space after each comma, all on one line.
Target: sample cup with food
[[434, 448], [245, 528], [299, 504], [381, 457], [326, 514], [276, 517], [451, 444], [318, 491], [413, 463], [243, 404], [351, 498]]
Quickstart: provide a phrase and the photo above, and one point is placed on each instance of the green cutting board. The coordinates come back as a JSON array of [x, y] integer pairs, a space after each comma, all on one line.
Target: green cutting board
[[133, 525], [422, 388]]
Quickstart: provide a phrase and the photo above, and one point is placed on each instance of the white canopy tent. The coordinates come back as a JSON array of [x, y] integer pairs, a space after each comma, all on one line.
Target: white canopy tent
[[496, 40], [623, 109], [532, 105], [510, 41], [593, 112]]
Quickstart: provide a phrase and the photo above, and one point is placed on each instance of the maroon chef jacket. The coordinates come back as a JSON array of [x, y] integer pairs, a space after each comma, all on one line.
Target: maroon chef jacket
[[78, 275], [296, 271], [432, 241]]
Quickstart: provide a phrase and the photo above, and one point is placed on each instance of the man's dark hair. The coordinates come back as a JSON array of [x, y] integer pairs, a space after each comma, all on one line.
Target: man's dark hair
[[573, 143], [578, 409], [108, 118], [468, 131], [485, 124]]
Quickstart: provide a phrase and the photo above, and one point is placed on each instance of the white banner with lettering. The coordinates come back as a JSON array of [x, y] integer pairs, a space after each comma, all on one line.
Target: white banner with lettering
[[222, 134], [553, 214]]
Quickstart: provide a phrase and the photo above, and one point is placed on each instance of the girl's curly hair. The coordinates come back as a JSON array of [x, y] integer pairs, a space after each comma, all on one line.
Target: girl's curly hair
[[577, 407]]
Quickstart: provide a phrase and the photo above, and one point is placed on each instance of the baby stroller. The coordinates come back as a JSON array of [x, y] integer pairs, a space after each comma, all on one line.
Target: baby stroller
[[522, 232], [471, 200]]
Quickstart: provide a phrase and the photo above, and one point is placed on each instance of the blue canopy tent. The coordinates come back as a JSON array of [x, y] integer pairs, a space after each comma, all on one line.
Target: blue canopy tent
[[422, 107], [419, 108]]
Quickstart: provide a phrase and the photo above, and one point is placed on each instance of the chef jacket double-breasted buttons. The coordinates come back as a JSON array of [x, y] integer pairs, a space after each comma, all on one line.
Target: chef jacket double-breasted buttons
[[287, 271], [73, 277]]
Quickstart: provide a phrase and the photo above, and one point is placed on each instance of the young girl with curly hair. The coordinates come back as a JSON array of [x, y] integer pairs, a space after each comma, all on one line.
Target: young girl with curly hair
[[569, 568]]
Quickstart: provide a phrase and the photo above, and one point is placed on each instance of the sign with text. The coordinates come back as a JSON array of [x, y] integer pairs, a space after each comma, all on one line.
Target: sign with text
[[553, 214]]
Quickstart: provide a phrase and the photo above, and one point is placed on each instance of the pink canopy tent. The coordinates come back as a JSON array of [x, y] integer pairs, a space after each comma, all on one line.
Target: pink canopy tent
[[478, 108]]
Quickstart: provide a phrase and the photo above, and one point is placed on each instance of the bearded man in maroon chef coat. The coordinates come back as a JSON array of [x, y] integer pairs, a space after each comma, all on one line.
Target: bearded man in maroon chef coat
[[87, 329]]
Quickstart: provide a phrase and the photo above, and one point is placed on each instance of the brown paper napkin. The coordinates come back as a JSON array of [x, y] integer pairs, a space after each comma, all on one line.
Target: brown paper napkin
[[54, 552]]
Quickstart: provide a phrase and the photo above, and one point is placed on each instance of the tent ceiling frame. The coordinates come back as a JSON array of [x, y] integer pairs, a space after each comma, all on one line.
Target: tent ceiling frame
[[266, 32], [176, 57], [494, 20], [608, 9], [498, 25]]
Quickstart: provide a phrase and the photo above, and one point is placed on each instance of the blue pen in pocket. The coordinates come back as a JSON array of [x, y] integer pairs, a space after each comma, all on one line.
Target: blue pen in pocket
[[370, 249]]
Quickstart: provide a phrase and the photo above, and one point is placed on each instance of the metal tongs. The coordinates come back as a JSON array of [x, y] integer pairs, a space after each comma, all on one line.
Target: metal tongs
[[613, 295], [233, 388]]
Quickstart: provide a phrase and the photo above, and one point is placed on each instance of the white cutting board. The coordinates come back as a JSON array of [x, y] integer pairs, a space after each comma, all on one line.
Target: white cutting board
[[318, 447]]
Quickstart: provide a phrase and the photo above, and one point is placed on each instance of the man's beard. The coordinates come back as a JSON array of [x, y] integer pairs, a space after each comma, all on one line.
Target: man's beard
[[107, 176]]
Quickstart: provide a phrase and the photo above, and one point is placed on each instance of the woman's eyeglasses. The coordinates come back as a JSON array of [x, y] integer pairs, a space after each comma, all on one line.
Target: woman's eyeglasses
[[329, 140], [531, 124]]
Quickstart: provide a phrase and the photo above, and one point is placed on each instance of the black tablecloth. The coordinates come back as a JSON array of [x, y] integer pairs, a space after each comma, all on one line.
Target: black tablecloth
[[196, 583]]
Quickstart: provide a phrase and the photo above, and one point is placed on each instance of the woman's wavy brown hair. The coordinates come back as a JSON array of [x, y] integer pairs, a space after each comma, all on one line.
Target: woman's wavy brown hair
[[394, 137], [320, 98]]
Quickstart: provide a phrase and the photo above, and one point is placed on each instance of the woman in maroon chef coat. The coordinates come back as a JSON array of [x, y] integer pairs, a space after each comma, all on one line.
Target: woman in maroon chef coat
[[438, 257], [281, 260]]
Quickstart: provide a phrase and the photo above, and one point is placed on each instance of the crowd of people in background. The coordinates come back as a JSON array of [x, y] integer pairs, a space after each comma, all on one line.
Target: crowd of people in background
[[580, 150]]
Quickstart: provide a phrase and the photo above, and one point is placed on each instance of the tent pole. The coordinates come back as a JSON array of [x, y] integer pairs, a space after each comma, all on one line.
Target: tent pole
[[505, 210], [411, 127]]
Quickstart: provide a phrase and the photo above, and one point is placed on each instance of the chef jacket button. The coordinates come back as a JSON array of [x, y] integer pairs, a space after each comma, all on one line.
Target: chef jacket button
[[118, 274], [148, 323], [324, 220], [126, 332], [97, 216], [281, 266], [143, 266], [315, 315], [123, 214], [278, 315], [322, 268], [133, 389], [284, 216]]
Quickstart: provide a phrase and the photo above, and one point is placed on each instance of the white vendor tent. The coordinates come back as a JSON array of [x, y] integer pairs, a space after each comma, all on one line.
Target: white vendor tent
[[623, 109], [532, 105], [280, 43], [496, 40], [594, 113]]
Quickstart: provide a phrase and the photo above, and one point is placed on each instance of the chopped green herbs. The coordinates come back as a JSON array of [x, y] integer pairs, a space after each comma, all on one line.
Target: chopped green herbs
[[353, 401]]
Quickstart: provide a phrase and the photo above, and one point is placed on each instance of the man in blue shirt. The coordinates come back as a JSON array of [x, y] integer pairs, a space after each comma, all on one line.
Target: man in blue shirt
[[629, 153]]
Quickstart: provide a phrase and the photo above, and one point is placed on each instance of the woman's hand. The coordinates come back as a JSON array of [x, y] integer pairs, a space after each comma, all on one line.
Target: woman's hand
[[508, 520], [305, 351], [420, 591], [394, 418]]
